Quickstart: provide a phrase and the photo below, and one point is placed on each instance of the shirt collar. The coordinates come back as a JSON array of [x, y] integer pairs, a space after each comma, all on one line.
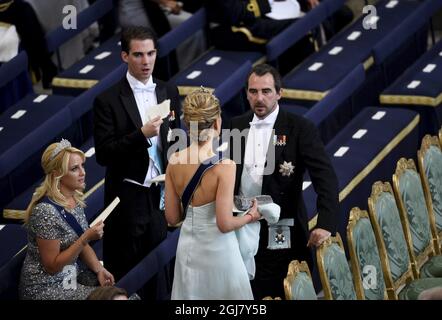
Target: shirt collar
[[269, 120], [135, 83]]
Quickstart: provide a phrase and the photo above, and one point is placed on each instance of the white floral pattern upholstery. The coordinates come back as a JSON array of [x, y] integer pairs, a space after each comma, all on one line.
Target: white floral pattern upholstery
[[414, 201], [393, 235], [338, 273], [433, 171], [368, 256]]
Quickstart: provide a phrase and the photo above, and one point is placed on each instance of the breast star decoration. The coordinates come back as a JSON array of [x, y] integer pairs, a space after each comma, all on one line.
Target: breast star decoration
[[286, 168]]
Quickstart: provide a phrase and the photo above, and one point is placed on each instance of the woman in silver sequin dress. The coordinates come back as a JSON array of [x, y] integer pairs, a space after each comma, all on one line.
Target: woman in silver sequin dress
[[58, 233]]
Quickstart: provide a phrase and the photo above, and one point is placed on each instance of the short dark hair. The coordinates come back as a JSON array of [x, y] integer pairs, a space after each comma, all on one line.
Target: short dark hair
[[262, 69], [136, 33], [106, 293]]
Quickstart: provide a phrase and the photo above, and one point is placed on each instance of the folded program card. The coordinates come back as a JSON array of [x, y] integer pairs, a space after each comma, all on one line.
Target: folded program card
[[162, 110], [106, 212], [157, 179]]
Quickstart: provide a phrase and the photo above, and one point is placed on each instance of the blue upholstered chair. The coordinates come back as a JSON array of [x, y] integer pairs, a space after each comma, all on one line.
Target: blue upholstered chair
[[155, 263], [312, 79], [385, 52], [14, 80], [298, 284], [420, 91], [57, 37], [334, 271], [334, 111], [369, 157], [364, 257], [413, 208], [10, 275], [429, 158], [392, 245]]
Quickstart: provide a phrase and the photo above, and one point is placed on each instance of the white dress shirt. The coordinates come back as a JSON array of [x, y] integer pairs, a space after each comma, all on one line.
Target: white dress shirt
[[145, 97], [257, 144]]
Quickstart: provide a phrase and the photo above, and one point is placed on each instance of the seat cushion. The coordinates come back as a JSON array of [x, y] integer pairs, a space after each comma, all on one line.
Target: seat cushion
[[413, 289], [432, 268]]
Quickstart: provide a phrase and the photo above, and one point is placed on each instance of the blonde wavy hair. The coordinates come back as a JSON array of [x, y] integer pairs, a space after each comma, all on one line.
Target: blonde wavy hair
[[200, 107], [55, 167]]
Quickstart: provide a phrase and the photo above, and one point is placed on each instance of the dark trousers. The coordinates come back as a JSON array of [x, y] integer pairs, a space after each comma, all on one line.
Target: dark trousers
[[133, 230]]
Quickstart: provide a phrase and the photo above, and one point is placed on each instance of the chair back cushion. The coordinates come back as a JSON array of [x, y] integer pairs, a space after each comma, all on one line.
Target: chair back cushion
[[302, 287], [338, 273], [390, 224], [369, 260], [412, 196], [433, 172]]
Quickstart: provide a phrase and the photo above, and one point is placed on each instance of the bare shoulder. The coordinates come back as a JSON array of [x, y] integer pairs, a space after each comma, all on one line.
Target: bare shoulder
[[225, 166], [228, 162], [177, 158]]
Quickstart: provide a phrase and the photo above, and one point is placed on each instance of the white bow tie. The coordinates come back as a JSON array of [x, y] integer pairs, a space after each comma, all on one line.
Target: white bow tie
[[260, 123], [146, 88]]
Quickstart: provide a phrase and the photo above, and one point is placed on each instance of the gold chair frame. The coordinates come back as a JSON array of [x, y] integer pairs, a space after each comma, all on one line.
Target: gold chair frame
[[416, 261]]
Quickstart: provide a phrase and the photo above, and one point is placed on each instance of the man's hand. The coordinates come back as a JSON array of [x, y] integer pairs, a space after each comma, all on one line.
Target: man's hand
[[317, 237], [172, 5], [313, 3], [152, 128]]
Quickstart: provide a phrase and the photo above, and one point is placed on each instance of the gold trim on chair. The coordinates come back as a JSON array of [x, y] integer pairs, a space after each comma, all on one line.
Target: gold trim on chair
[[20, 214], [416, 261], [249, 35], [295, 267], [427, 142], [373, 163], [4, 24], [5, 6], [355, 215], [185, 90], [14, 214], [393, 287], [260, 60], [73, 83], [409, 99], [368, 63], [303, 94], [93, 189]]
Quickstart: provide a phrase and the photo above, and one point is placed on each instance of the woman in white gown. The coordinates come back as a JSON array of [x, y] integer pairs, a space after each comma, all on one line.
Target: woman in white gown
[[208, 261]]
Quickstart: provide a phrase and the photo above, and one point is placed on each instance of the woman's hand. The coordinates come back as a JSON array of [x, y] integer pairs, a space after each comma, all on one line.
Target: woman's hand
[[253, 211], [94, 233], [105, 278]]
